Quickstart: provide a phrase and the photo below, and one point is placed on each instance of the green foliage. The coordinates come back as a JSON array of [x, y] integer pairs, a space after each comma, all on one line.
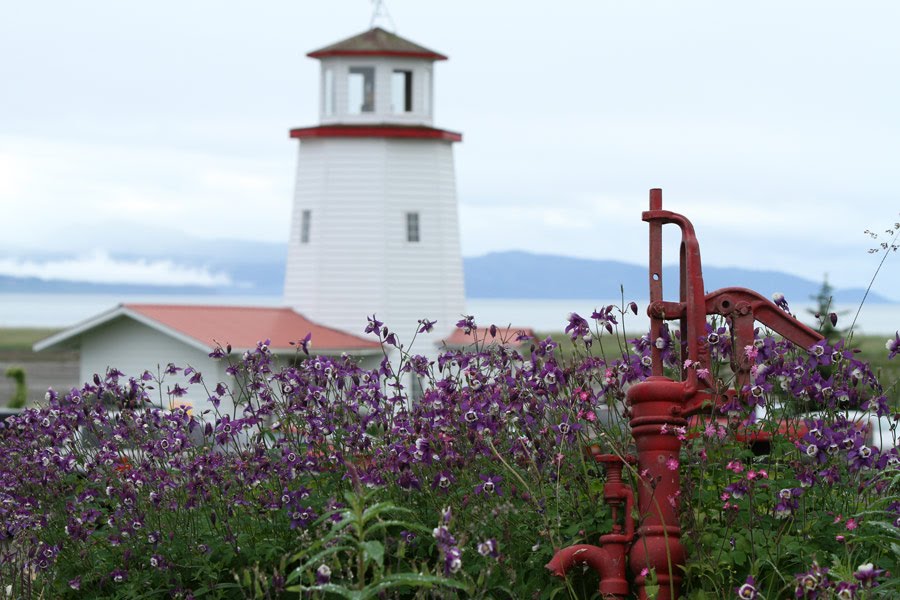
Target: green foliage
[[20, 396], [358, 540], [824, 313]]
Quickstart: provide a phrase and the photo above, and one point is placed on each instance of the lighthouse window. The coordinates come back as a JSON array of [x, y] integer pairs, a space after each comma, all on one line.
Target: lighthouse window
[[361, 90], [305, 218], [401, 91], [412, 227]]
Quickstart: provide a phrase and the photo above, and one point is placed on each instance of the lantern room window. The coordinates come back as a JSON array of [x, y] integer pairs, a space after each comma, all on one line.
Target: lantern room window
[[412, 227], [328, 89], [401, 91], [361, 90]]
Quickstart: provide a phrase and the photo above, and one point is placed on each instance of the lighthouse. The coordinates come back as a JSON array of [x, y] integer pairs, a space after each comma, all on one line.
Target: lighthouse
[[375, 226]]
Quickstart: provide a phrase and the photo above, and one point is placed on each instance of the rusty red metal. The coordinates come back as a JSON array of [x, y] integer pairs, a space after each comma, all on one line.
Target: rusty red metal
[[659, 405]]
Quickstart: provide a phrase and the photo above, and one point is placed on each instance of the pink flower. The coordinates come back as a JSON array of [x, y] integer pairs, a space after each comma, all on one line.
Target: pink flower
[[703, 373], [851, 524], [751, 351], [672, 463]]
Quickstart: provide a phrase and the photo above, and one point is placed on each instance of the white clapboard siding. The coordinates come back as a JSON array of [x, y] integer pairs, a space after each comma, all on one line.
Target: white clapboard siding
[[358, 260], [132, 348]]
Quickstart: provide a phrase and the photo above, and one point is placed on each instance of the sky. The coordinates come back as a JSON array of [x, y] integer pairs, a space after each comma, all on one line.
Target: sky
[[772, 125]]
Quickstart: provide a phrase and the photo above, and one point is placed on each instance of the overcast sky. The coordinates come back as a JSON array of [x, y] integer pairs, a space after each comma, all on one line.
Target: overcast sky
[[775, 126]]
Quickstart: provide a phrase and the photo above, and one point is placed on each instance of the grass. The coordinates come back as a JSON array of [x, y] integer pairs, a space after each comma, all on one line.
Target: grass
[[19, 339]]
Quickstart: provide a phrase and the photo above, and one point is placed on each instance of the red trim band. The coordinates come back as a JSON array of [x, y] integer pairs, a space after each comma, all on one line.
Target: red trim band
[[376, 131]]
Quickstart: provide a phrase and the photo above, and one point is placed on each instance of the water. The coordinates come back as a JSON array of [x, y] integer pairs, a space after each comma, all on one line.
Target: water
[[63, 310]]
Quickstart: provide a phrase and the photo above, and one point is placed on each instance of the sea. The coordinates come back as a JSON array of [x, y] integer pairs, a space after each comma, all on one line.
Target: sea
[[542, 315]]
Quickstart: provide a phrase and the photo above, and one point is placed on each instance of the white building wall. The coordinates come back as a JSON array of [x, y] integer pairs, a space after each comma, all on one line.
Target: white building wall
[[358, 260], [132, 348]]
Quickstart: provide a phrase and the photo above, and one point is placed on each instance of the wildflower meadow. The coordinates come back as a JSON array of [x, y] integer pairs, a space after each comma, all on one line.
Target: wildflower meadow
[[330, 481]]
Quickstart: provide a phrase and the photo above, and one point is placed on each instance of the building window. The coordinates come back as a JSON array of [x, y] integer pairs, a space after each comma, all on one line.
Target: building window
[[417, 389], [401, 91], [328, 91], [305, 218], [412, 227], [361, 90]]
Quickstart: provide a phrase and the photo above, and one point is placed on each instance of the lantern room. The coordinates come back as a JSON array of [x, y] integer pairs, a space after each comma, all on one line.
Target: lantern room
[[376, 77]]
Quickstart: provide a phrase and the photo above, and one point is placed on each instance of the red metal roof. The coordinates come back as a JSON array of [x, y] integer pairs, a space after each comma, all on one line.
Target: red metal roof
[[482, 335], [242, 327], [377, 42], [377, 131]]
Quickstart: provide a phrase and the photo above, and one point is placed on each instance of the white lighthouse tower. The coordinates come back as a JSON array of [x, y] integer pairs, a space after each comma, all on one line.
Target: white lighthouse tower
[[375, 226]]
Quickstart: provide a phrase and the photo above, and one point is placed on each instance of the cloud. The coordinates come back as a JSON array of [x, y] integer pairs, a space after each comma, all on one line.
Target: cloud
[[100, 267]]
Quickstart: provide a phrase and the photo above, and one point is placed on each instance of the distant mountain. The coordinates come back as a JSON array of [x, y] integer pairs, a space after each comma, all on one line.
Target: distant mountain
[[257, 268], [517, 274]]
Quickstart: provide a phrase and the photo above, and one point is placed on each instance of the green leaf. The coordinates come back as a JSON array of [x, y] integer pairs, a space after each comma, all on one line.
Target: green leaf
[[382, 507], [312, 560], [410, 580], [329, 587], [374, 550], [395, 523]]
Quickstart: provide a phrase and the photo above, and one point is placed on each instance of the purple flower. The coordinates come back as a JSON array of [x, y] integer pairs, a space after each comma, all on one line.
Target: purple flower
[[177, 391], [813, 583], [443, 481], [374, 325], [577, 327], [748, 590], [119, 576], [305, 343], [467, 324], [489, 485], [893, 346], [867, 574], [488, 548], [425, 326], [323, 574]]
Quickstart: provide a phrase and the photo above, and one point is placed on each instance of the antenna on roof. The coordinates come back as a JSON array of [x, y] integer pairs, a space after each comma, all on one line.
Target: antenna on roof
[[380, 11]]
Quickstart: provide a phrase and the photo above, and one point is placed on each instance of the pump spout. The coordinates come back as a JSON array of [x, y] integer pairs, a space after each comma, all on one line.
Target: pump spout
[[610, 566]]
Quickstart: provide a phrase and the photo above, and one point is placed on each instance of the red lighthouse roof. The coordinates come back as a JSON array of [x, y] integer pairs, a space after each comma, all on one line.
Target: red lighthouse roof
[[377, 42]]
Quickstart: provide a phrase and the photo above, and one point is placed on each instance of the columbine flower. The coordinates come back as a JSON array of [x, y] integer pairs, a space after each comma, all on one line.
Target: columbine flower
[[893, 346], [467, 324], [812, 582], [425, 326], [577, 326], [489, 485], [867, 574], [119, 575], [323, 574], [488, 548], [748, 590]]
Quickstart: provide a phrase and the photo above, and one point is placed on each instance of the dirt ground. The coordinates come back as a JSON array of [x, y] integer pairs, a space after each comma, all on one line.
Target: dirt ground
[[56, 370]]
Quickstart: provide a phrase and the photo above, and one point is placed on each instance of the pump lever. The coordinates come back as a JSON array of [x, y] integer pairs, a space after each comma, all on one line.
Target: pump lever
[[737, 302]]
